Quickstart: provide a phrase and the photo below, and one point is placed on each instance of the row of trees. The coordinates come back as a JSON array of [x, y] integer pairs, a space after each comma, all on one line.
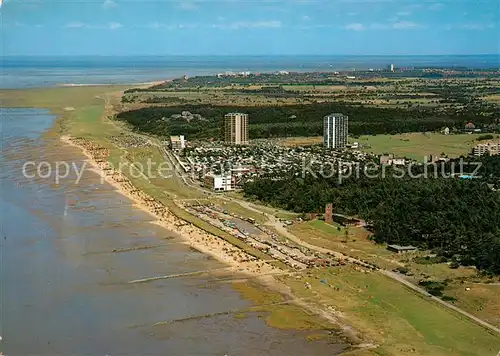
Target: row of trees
[[458, 219], [295, 120]]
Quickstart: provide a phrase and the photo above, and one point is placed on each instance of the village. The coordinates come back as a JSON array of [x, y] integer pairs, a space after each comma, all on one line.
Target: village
[[210, 163]]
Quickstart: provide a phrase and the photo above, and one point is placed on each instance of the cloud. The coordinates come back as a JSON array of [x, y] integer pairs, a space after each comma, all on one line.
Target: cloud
[[114, 25], [305, 18], [355, 27], [400, 25], [75, 25], [29, 4], [310, 27], [160, 26], [249, 24], [404, 13], [436, 7], [473, 26], [155, 25], [109, 26], [403, 25], [188, 6], [108, 4]]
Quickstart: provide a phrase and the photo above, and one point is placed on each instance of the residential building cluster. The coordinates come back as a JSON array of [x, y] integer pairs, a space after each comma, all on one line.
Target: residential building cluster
[[490, 148], [187, 116], [227, 167]]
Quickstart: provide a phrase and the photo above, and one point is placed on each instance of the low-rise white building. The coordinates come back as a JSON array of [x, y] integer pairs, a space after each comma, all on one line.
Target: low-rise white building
[[398, 161], [219, 183], [390, 160], [177, 142], [491, 148]]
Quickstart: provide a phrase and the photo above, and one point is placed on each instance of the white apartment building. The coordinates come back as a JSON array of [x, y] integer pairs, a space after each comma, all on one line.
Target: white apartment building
[[335, 130], [219, 183]]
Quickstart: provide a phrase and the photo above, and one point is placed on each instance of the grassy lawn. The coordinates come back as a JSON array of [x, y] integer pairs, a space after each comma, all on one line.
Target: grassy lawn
[[279, 213], [236, 208], [481, 300], [163, 179], [493, 98], [79, 108], [419, 145], [355, 243], [300, 141], [322, 88], [397, 319]]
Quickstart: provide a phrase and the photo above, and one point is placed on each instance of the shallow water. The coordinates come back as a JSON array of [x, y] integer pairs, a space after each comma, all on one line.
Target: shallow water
[[23, 72], [64, 291]]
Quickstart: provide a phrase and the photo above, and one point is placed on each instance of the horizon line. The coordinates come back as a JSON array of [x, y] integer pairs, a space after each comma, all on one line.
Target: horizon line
[[248, 55]]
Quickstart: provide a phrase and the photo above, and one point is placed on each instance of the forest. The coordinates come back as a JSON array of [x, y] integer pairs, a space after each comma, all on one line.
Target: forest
[[457, 219], [294, 120]]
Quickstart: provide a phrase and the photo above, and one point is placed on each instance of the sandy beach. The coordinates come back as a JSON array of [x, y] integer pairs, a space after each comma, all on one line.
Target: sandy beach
[[238, 260], [132, 85]]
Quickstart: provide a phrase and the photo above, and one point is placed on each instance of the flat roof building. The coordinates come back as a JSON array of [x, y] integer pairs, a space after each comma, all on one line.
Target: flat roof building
[[491, 148], [177, 142], [219, 183], [401, 249], [236, 128], [335, 130]]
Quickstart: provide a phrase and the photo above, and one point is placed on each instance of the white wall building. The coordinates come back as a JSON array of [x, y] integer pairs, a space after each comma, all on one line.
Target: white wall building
[[219, 183], [335, 130], [178, 142], [491, 148]]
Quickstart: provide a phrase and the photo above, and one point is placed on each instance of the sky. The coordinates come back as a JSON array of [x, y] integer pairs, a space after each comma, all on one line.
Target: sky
[[249, 27]]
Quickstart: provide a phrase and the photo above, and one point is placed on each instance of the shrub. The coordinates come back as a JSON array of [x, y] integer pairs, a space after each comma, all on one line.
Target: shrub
[[435, 288], [485, 137]]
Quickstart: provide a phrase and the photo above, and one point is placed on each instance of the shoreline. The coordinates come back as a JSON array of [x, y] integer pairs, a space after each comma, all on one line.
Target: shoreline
[[209, 244], [236, 260], [139, 84]]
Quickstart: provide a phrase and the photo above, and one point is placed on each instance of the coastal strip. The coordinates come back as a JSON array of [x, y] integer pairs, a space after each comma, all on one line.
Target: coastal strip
[[238, 260], [223, 251]]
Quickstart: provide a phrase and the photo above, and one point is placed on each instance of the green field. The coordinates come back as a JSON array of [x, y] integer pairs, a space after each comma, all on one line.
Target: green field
[[79, 109], [419, 145], [397, 319]]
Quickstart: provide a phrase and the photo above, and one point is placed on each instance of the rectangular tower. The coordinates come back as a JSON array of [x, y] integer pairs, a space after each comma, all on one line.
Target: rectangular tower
[[236, 128], [329, 213], [335, 130]]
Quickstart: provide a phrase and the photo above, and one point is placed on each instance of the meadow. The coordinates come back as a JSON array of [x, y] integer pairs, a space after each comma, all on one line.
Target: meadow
[[398, 320], [417, 146]]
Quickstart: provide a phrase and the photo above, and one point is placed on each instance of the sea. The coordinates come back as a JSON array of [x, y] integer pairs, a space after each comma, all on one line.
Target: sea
[[64, 288], [22, 72]]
